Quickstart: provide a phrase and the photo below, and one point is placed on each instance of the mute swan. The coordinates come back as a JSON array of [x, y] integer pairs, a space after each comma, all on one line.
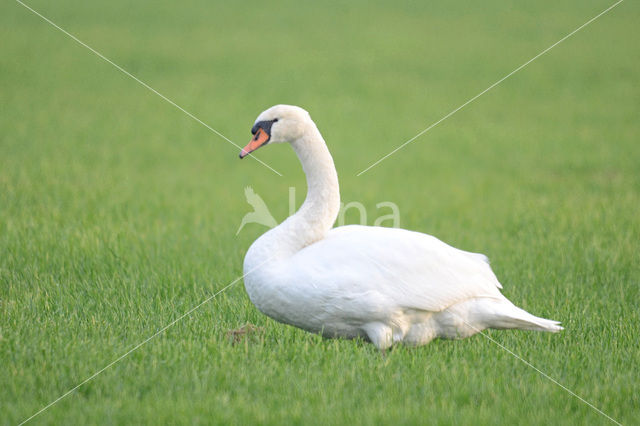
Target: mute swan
[[387, 285]]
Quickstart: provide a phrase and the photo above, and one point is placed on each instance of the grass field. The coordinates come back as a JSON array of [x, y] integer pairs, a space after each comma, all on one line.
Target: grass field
[[118, 212]]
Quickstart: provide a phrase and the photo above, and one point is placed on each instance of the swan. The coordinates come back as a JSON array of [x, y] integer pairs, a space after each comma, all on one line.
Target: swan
[[386, 285]]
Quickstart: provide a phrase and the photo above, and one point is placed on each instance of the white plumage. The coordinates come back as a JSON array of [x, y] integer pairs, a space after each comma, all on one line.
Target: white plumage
[[385, 284]]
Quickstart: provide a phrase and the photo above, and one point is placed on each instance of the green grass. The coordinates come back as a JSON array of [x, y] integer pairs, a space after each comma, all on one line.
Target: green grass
[[118, 212]]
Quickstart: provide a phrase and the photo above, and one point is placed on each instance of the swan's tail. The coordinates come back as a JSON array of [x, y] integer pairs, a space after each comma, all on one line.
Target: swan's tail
[[504, 314]]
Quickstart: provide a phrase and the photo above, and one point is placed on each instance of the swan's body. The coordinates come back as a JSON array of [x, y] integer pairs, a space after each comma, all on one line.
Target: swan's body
[[385, 284]]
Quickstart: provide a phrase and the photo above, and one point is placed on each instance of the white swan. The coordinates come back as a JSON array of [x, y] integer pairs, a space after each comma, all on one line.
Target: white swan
[[384, 284]]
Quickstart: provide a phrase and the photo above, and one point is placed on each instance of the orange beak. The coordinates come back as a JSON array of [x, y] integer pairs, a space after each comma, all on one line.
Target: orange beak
[[260, 138]]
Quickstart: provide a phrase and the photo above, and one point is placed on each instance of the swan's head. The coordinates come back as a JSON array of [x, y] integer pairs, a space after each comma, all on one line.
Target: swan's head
[[280, 123]]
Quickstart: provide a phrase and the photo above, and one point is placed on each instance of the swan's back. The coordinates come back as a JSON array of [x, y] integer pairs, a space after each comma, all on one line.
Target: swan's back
[[410, 269]]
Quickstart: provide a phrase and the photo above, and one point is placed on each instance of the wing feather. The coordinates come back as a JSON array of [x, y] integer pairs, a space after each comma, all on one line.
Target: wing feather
[[408, 269]]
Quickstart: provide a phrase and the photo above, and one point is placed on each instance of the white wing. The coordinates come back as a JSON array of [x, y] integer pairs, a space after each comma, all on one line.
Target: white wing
[[401, 268]]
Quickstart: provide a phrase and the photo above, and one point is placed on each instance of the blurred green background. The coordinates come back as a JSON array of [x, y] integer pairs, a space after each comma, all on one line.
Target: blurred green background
[[118, 212]]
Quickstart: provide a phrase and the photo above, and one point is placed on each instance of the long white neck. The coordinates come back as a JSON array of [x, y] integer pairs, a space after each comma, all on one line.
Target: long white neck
[[320, 208]]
